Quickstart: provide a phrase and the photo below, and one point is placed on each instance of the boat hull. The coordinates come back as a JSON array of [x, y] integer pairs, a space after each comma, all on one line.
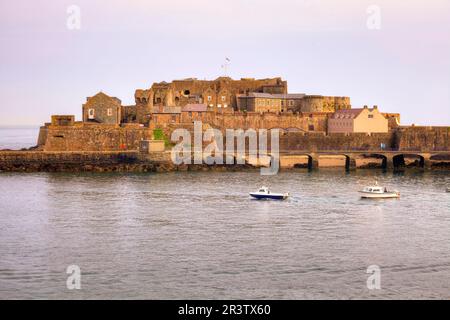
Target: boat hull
[[388, 195], [269, 196]]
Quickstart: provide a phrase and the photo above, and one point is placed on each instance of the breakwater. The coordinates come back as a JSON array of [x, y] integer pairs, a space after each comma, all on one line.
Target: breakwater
[[107, 161], [134, 161]]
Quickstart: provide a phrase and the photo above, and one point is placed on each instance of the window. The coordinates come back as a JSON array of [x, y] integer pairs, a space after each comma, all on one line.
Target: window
[[109, 112], [209, 98], [291, 103], [370, 116], [219, 106], [224, 98], [91, 114], [174, 118]]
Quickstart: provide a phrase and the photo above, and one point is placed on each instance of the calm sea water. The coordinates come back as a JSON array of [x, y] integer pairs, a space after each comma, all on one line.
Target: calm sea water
[[198, 235], [18, 138]]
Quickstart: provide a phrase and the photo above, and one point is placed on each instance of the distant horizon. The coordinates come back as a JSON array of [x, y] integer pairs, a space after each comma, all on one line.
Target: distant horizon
[[390, 54]]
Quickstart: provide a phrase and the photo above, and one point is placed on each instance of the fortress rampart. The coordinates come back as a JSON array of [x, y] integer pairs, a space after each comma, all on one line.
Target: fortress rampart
[[319, 142], [92, 137], [316, 103], [307, 123], [423, 138], [296, 134], [267, 120]]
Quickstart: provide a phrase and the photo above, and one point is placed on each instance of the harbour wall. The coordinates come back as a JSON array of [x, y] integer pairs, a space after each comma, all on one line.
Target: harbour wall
[[105, 161]]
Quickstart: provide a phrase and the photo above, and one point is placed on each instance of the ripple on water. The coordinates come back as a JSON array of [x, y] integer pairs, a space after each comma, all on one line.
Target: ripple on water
[[199, 235]]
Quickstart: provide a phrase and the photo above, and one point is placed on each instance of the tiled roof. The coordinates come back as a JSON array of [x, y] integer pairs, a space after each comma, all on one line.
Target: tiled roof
[[195, 107], [100, 96], [347, 113], [259, 95], [289, 95], [275, 96], [167, 109]]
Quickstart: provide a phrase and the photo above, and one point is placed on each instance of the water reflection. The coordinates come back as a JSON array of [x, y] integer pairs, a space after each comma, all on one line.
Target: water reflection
[[199, 235]]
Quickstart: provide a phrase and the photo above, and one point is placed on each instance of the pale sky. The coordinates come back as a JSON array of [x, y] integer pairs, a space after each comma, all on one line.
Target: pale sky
[[318, 46]]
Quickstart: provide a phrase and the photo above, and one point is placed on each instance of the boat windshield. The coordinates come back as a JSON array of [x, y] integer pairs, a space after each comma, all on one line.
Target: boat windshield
[[374, 189]]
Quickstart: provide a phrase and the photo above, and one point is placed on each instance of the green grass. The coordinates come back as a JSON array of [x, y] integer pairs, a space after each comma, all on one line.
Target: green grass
[[158, 134]]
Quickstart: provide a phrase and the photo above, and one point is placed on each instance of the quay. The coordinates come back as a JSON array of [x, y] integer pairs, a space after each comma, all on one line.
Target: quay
[[160, 161]]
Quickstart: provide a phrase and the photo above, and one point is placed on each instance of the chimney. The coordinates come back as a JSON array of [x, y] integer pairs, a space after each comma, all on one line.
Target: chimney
[[366, 107], [375, 107]]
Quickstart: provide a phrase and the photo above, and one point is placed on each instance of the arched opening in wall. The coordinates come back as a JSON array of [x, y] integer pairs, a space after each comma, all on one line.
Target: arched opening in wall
[[186, 93], [332, 161], [177, 101], [441, 160], [399, 161], [300, 161], [413, 161], [409, 161], [158, 100], [367, 161]]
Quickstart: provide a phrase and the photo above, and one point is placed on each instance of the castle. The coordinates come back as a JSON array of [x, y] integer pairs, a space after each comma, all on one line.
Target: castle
[[223, 103], [223, 95]]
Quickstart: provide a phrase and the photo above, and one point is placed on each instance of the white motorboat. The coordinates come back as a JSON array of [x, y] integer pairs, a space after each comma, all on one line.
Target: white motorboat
[[264, 193], [378, 192]]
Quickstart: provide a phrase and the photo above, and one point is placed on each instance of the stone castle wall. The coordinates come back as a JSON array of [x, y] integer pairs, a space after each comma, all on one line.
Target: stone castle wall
[[313, 103], [296, 134], [267, 120], [423, 138], [335, 142], [84, 137]]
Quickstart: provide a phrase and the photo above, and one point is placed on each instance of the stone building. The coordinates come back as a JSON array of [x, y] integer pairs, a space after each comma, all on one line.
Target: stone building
[[63, 120], [295, 102], [144, 105], [102, 108], [393, 120], [163, 115], [259, 102], [317, 103], [247, 102], [226, 95], [219, 95], [360, 120], [266, 102], [193, 112]]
